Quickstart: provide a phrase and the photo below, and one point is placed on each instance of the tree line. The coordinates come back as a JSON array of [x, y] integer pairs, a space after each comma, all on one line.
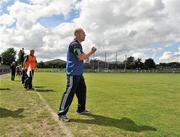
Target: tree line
[[132, 64], [9, 56]]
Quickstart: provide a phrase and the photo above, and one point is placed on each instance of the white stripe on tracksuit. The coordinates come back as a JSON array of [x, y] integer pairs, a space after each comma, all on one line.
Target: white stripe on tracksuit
[[67, 93]]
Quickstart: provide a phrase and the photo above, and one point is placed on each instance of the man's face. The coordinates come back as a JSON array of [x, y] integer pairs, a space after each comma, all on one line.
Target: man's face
[[32, 52], [82, 35]]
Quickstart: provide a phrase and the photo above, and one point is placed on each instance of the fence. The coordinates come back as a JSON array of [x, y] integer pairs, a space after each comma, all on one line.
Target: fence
[[4, 69], [115, 70]]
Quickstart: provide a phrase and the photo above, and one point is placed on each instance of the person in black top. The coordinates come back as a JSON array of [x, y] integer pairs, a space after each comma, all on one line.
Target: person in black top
[[13, 71], [21, 56]]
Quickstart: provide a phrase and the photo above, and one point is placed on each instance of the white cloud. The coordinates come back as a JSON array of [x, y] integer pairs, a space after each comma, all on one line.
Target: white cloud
[[6, 20], [170, 57], [167, 56], [135, 25], [49, 43], [27, 14], [113, 26], [1, 1], [138, 55]]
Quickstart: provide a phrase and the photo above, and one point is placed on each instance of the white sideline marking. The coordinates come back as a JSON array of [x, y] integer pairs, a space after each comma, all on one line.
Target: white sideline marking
[[55, 117]]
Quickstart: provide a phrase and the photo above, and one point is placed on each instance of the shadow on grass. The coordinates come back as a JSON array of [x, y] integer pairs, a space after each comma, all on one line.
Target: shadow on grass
[[42, 89], [4, 88], [124, 123], [9, 113], [45, 90], [38, 86]]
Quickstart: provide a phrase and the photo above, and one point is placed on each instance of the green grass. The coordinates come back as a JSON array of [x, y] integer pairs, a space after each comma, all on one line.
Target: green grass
[[121, 105], [22, 114]]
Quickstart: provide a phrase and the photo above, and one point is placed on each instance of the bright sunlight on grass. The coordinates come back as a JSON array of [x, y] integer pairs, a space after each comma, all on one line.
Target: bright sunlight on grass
[[121, 105]]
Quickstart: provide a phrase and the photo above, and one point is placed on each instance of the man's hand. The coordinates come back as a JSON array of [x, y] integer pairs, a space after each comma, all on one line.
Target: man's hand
[[84, 56], [93, 49]]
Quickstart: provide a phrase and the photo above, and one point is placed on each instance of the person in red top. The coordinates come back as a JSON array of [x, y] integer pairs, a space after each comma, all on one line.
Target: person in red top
[[30, 65]]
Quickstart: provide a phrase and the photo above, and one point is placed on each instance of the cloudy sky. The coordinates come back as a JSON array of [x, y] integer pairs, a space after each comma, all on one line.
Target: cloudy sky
[[139, 28]]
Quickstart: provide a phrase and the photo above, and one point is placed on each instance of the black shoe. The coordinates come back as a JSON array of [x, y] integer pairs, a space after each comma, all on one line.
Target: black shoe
[[64, 118], [83, 112], [31, 89]]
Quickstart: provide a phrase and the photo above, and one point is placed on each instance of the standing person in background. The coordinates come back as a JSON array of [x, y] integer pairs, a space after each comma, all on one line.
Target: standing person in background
[[23, 74], [30, 64], [21, 56], [18, 70], [13, 70], [75, 80]]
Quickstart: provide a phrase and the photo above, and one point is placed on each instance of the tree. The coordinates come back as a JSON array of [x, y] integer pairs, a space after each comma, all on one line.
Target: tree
[[149, 64], [0, 60], [170, 65], [41, 64], [130, 62], [21, 55], [138, 64], [8, 56]]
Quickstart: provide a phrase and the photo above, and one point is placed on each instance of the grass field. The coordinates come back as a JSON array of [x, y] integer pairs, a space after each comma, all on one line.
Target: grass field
[[22, 113], [121, 105]]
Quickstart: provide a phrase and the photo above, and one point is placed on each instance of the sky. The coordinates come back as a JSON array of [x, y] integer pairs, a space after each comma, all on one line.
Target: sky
[[140, 28]]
